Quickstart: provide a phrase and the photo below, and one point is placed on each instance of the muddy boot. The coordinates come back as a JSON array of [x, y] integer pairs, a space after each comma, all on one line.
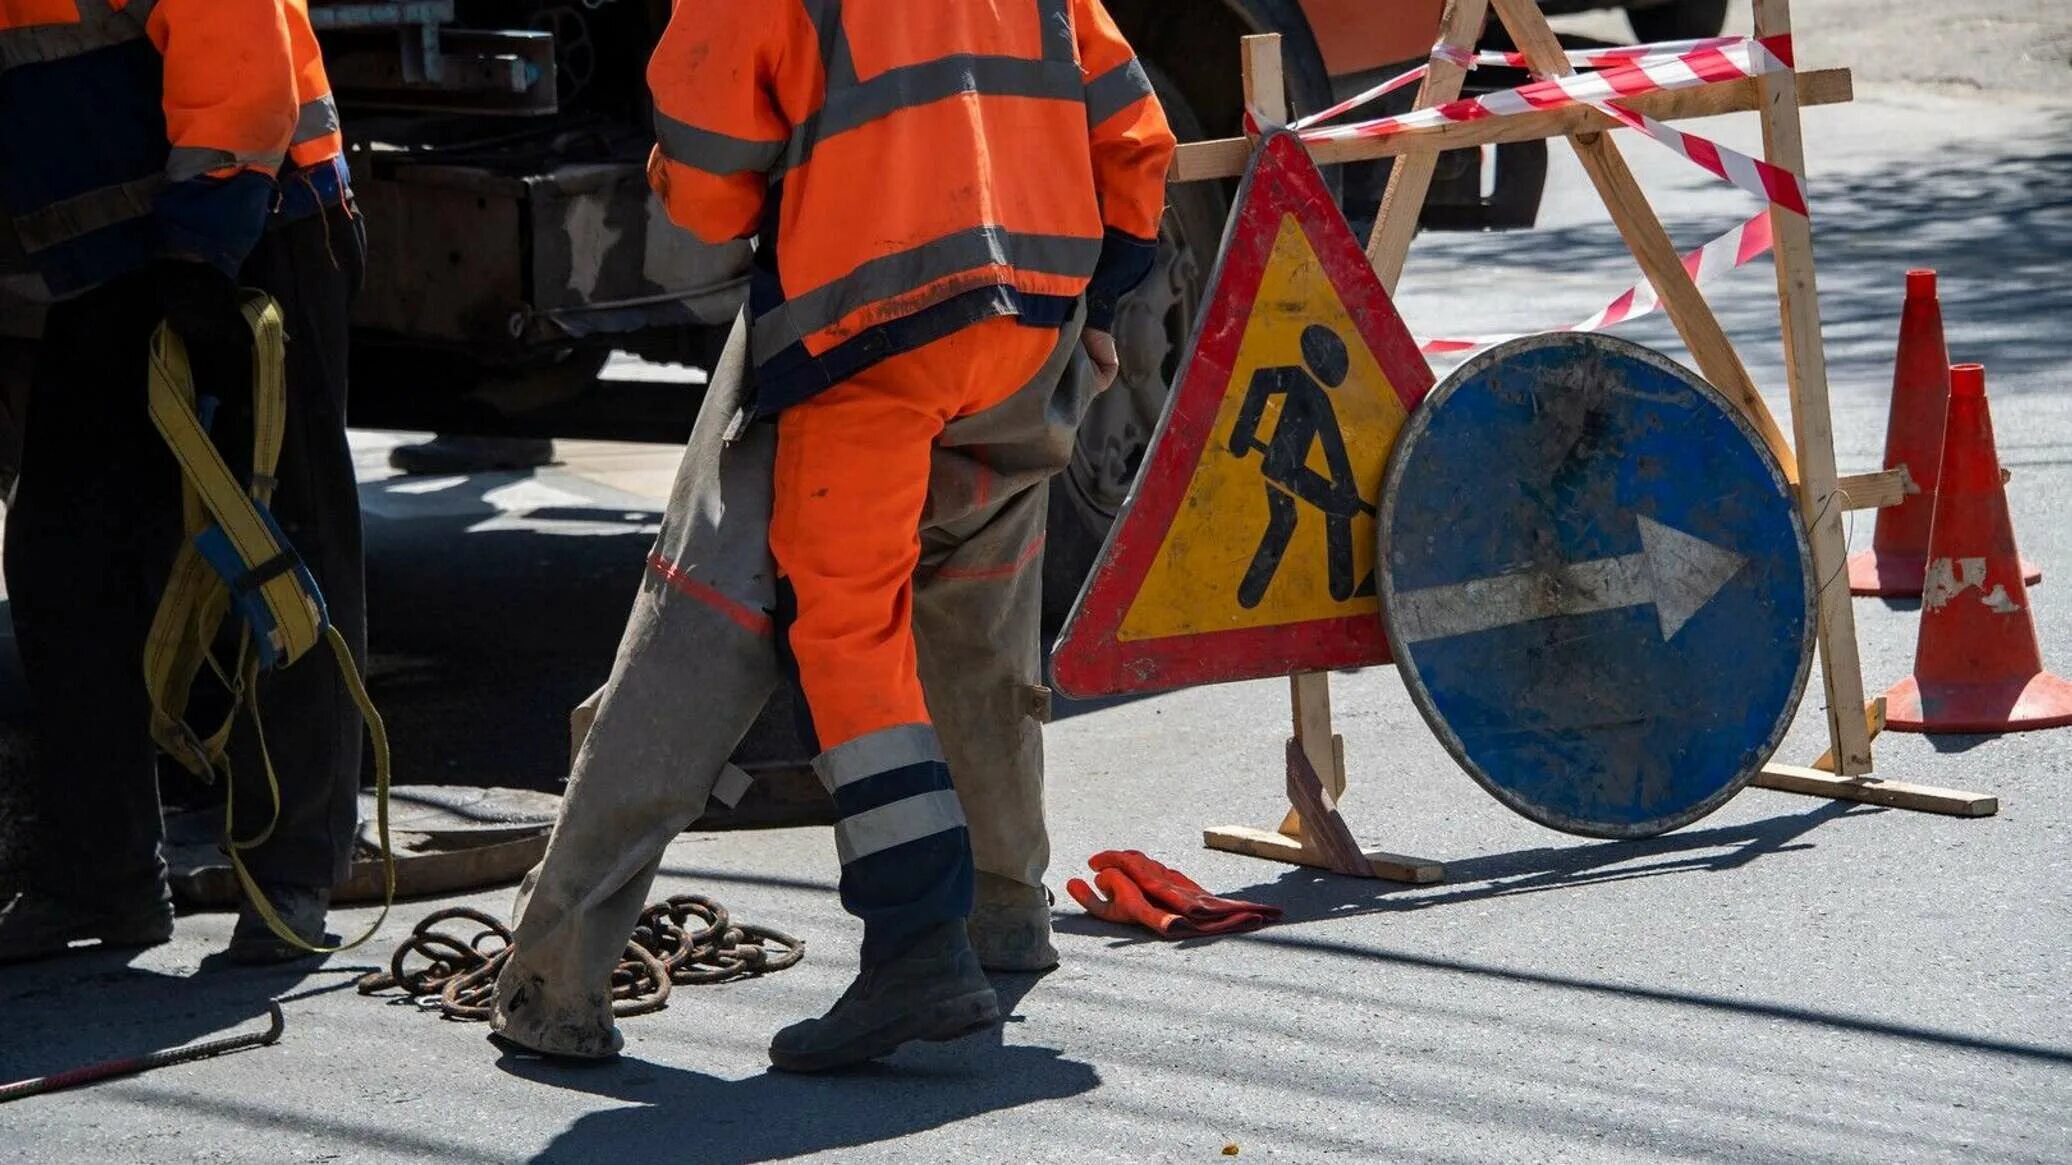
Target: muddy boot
[[524, 1017], [447, 455], [932, 991], [300, 908], [1010, 926], [37, 926]]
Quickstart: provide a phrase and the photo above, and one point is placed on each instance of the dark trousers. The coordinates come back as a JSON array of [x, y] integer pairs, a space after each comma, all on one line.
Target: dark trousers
[[90, 539]]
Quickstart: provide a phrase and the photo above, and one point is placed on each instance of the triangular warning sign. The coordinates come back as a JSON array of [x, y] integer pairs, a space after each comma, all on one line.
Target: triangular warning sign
[[1247, 546]]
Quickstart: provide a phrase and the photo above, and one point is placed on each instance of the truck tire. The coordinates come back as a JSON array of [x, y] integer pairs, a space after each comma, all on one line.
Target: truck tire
[[1678, 20], [1151, 325]]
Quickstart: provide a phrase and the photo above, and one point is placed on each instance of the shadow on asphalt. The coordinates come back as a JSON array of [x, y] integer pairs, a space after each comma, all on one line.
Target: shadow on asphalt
[[92, 1006], [777, 1116], [1838, 1021], [1308, 895]]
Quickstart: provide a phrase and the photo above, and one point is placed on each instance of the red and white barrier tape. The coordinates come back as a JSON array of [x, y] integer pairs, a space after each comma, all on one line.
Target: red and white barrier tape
[[1762, 179], [1622, 73], [1607, 58], [1746, 57], [1737, 247], [1379, 91], [1456, 55]]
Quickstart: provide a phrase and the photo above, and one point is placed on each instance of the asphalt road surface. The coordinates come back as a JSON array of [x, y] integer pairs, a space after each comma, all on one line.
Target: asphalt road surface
[[1786, 980]]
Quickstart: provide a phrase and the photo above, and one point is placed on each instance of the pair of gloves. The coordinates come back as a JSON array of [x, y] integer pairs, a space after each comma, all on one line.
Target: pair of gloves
[[1161, 899]]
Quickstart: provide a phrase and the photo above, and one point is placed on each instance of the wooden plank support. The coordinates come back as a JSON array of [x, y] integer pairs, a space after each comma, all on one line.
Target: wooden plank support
[[1805, 363], [1226, 157], [1650, 244], [1872, 491], [1278, 847], [1891, 794], [1411, 178]]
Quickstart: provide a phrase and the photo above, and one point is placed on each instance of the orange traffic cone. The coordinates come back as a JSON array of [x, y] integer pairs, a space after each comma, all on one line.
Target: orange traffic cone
[[1898, 558], [1977, 665]]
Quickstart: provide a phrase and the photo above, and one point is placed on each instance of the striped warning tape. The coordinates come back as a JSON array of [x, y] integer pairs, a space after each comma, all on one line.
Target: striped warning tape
[[1620, 73], [1622, 55], [1253, 118], [1745, 57], [1663, 56], [1641, 69], [1769, 182], [1737, 247]]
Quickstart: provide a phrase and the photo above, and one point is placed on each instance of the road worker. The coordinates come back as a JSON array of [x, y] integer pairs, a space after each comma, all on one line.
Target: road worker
[[947, 201], [153, 157]]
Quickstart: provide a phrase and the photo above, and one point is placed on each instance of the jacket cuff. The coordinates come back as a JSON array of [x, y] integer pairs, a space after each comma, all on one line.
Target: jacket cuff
[[213, 220], [1125, 261]]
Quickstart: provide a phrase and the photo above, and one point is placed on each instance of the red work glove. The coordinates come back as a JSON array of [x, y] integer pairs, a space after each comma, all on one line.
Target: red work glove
[[1145, 893], [1174, 890], [1124, 904]]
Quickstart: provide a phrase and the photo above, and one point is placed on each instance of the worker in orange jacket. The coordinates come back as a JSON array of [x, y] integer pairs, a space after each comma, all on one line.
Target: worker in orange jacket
[[153, 158], [947, 201]]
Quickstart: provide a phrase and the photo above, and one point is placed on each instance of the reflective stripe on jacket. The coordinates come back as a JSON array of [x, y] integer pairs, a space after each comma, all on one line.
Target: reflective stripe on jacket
[[139, 128], [908, 169]]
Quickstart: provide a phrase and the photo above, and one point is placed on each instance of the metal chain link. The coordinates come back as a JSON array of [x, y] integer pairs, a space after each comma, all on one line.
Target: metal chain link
[[683, 940]]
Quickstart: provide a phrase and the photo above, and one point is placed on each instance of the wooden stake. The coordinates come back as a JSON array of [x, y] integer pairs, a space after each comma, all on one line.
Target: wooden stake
[[1319, 836], [1805, 364], [1411, 180], [1309, 692], [1873, 722]]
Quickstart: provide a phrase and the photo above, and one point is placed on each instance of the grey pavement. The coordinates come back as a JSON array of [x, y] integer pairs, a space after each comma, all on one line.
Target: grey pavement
[[1788, 979]]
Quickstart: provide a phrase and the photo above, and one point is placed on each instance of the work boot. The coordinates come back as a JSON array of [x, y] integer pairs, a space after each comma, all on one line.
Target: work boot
[[300, 908], [446, 455], [1010, 926], [932, 991], [37, 926]]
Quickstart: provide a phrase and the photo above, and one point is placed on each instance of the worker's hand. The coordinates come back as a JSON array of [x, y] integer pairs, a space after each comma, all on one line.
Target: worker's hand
[[1100, 349], [201, 304]]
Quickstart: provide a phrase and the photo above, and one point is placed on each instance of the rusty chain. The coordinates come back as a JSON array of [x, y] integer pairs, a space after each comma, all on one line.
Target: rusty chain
[[683, 940]]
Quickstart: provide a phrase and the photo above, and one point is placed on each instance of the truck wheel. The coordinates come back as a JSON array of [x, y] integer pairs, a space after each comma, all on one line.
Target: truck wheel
[[1678, 20], [1151, 329]]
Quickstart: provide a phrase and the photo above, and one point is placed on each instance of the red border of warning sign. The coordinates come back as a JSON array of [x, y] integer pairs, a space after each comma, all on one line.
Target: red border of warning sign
[[1089, 660]]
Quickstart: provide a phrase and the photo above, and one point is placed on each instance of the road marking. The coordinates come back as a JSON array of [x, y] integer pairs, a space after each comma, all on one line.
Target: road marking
[[1674, 572]]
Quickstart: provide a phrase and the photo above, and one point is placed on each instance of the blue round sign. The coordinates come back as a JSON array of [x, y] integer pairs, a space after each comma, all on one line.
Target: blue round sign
[[1597, 584]]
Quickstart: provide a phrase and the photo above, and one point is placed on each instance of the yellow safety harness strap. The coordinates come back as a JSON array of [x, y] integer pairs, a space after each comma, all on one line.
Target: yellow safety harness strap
[[233, 549], [377, 736], [296, 617]]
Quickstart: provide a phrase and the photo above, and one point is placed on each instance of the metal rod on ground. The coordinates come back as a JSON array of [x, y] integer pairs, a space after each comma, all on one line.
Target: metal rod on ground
[[130, 1066]]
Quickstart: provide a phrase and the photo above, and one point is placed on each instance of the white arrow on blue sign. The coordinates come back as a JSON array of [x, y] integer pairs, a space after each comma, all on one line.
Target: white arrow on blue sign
[[1674, 573], [1595, 581]]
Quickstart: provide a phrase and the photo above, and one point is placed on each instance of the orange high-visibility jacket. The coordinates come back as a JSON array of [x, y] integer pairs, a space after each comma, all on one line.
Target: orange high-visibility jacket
[[134, 128], [907, 169]]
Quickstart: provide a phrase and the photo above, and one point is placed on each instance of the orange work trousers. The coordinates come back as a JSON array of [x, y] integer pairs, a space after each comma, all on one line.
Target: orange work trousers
[[850, 487]]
